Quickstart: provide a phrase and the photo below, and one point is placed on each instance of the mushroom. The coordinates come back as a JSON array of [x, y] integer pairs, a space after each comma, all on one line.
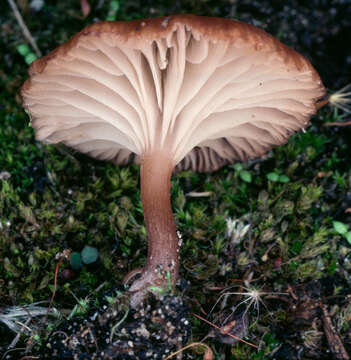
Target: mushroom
[[171, 93]]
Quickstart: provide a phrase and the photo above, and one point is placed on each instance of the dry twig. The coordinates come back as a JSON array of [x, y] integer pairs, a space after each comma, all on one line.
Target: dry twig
[[335, 344], [229, 334], [208, 355], [24, 28], [338, 123]]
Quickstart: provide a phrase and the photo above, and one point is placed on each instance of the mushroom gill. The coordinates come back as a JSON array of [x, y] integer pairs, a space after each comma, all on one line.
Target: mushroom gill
[[181, 90]]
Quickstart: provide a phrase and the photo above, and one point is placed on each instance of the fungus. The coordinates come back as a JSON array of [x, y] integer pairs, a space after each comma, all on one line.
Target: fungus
[[172, 93]]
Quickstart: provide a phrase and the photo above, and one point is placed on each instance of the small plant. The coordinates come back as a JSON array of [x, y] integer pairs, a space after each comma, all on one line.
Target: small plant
[[161, 290], [340, 179], [89, 255], [112, 11], [243, 174], [81, 308], [342, 229], [236, 230], [76, 261], [26, 52], [274, 176]]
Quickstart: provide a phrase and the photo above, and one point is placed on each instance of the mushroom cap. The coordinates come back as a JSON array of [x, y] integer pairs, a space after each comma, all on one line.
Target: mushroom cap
[[208, 91]]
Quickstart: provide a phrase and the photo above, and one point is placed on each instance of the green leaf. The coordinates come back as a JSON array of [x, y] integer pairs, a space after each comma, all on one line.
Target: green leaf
[[340, 227], [296, 247], [76, 260], [89, 254], [114, 5], [238, 167], [245, 176], [284, 179], [156, 289], [332, 267], [125, 249], [348, 237], [23, 49], [111, 17], [30, 58], [272, 176]]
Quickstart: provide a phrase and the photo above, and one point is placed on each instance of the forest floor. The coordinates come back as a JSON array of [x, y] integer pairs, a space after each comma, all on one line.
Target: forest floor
[[267, 249]]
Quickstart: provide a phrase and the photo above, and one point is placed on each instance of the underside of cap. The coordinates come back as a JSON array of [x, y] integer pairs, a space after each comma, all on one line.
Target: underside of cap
[[207, 91]]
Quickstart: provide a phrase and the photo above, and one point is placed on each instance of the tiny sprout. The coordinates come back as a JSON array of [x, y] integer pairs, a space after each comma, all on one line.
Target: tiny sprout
[[89, 255], [36, 337], [28, 55], [237, 167], [169, 281], [79, 309], [76, 260], [275, 177], [157, 289], [243, 174], [110, 299], [272, 176], [284, 179], [342, 229], [112, 11], [236, 230]]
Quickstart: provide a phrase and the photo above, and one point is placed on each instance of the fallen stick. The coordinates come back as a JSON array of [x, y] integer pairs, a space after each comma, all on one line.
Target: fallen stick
[[338, 123], [24, 28], [335, 344]]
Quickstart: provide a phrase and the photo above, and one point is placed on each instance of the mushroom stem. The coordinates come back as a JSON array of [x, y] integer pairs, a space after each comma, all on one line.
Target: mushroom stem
[[163, 248]]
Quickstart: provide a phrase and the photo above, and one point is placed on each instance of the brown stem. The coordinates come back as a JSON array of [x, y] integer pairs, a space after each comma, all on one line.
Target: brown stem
[[162, 259]]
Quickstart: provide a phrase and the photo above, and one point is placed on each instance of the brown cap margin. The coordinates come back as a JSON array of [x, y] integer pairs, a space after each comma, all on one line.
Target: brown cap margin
[[214, 29]]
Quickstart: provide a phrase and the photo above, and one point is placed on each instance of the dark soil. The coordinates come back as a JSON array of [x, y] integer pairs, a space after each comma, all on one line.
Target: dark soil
[[152, 331]]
